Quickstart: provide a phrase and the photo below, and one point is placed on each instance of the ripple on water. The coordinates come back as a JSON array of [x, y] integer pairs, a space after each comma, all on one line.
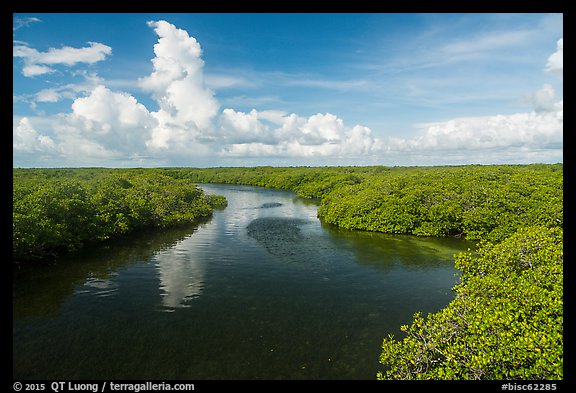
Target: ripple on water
[[98, 287]]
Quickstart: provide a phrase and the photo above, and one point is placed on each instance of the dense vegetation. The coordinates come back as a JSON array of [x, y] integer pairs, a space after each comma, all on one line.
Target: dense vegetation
[[61, 210], [478, 202], [506, 321]]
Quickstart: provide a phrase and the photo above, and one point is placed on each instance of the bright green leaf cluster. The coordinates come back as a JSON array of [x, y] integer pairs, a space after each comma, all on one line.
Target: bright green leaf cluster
[[61, 210], [478, 202], [506, 321]]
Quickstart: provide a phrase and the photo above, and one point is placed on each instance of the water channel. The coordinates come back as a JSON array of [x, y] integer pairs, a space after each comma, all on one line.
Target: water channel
[[262, 290]]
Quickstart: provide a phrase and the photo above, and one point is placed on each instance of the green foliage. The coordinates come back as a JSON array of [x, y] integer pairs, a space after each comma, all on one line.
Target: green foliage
[[306, 182], [472, 201], [61, 210], [506, 321]]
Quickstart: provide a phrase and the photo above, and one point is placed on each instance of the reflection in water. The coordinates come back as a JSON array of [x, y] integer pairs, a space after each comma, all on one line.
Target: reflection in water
[[246, 204], [385, 251], [262, 291], [39, 291], [181, 274]]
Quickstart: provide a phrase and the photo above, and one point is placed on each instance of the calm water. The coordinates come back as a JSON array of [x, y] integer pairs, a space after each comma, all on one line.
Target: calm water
[[262, 290]]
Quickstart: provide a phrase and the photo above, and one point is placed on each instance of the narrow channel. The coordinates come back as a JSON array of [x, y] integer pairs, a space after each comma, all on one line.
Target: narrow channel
[[263, 290]]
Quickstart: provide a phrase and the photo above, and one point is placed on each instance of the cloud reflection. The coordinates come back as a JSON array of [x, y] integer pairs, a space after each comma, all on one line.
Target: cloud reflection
[[181, 274]]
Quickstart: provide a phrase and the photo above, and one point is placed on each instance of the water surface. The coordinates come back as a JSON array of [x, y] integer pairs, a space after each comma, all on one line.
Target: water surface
[[262, 290]]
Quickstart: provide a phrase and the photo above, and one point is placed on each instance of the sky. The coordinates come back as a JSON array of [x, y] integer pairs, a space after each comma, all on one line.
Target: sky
[[211, 90]]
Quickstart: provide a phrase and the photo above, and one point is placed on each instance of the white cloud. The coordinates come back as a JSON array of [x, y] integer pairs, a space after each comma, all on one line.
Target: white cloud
[[113, 124], [117, 121], [48, 95], [26, 139], [273, 116], [69, 56], [320, 135], [177, 83], [316, 130], [24, 51], [23, 22], [30, 70], [498, 138], [109, 125], [273, 133], [477, 135], [555, 62], [544, 100], [106, 126], [240, 127], [69, 91], [105, 107], [36, 63]]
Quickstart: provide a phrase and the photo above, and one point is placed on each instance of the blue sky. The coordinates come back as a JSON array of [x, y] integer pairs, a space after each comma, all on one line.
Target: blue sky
[[125, 90]]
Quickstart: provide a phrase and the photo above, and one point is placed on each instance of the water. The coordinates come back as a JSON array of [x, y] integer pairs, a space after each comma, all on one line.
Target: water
[[262, 290]]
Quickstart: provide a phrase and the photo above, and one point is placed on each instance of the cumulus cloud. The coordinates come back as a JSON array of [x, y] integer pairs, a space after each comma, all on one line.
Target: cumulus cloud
[[177, 81], [240, 127], [106, 125], [482, 138], [187, 106], [105, 108], [555, 62], [490, 139], [318, 129], [320, 135], [102, 125], [117, 121], [498, 138], [26, 139], [36, 63], [544, 100], [529, 129]]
